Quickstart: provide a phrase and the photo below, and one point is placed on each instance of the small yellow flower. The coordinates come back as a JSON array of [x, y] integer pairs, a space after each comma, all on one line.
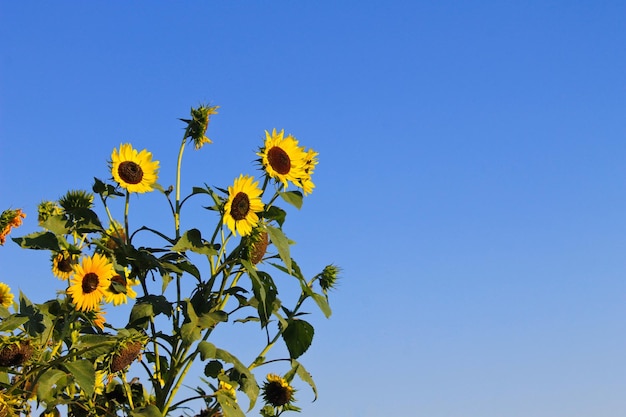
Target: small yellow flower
[[134, 171], [8, 220], [90, 279], [6, 297], [120, 289], [244, 202]]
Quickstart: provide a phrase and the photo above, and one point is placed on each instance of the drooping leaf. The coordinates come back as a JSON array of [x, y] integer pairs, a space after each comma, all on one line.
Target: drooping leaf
[[281, 243], [46, 382], [298, 336], [277, 214], [292, 197], [303, 374], [229, 405], [83, 373], [264, 290]]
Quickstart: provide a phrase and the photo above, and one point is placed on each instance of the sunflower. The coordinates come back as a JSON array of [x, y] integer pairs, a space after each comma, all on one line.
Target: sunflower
[[8, 220], [244, 202], [114, 236], [310, 161], [277, 391], [120, 290], [132, 170], [62, 265], [90, 280], [6, 296], [282, 158]]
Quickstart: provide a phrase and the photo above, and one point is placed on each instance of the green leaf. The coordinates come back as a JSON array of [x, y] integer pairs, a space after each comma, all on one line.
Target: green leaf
[[298, 336], [105, 190], [277, 214], [84, 374], [281, 242], [147, 307], [192, 240], [56, 224], [86, 220], [39, 240], [322, 303], [149, 411], [229, 405], [12, 323], [303, 374], [292, 197], [264, 290], [46, 382], [247, 381]]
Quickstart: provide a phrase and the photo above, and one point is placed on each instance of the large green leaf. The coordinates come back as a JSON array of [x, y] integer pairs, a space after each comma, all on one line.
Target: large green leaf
[[303, 374], [229, 405], [264, 290], [39, 240], [46, 382], [298, 336], [84, 374]]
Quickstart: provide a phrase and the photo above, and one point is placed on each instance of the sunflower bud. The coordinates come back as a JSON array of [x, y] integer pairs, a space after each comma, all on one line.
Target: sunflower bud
[[328, 277], [47, 209], [198, 124], [76, 199]]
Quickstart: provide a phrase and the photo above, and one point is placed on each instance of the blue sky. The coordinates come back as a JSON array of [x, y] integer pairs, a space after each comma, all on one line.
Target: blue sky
[[471, 179]]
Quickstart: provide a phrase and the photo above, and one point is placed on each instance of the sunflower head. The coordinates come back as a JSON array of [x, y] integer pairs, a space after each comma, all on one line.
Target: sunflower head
[[6, 296], [282, 158], [63, 264], [242, 206], [14, 352], [256, 245], [47, 209], [8, 220], [125, 353], [89, 281], [114, 236], [121, 289], [133, 170], [76, 199], [277, 391], [198, 124], [310, 161]]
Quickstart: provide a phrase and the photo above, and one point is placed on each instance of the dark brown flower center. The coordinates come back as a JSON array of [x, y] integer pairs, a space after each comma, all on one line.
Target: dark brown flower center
[[64, 264], [279, 160], [276, 394], [90, 282], [240, 206], [119, 280], [130, 172]]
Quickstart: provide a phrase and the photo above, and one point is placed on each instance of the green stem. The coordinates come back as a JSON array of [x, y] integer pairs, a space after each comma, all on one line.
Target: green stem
[[126, 205]]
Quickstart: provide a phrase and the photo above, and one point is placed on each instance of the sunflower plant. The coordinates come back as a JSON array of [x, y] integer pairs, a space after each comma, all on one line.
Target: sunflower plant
[[63, 357]]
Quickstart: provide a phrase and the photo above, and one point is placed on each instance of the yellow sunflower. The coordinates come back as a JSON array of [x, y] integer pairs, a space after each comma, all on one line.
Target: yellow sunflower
[[310, 161], [6, 296], [277, 391], [282, 158], [134, 171], [120, 290], [90, 280], [244, 202], [62, 265]]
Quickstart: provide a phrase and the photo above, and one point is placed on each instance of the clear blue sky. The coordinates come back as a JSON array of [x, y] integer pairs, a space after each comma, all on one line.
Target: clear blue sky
[[472, 175]]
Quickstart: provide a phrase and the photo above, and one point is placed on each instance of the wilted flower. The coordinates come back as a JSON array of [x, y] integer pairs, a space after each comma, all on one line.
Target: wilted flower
[[8, 220], [125, 355], [15, 352]]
